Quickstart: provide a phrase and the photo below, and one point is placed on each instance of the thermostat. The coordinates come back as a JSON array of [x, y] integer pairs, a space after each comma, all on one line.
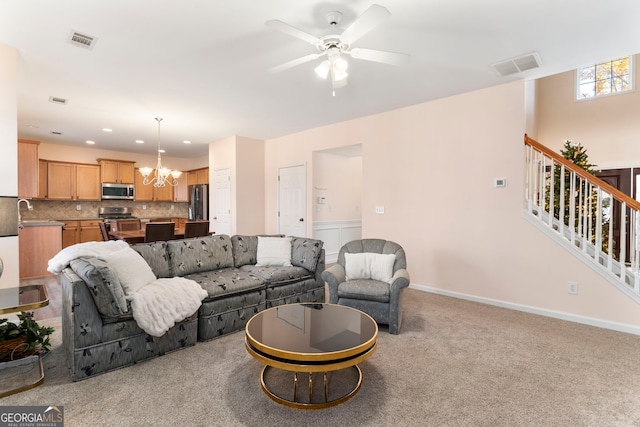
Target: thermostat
[[500, 182]]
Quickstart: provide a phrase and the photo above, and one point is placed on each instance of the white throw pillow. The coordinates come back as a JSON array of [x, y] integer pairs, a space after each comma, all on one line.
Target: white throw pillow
[[369, 265], [132, 270], [274, 252]]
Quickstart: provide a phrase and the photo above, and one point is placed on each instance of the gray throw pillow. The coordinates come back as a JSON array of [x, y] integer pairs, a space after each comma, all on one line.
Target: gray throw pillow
[[155, 254], [245, 250], [103, 285], [305, 252]]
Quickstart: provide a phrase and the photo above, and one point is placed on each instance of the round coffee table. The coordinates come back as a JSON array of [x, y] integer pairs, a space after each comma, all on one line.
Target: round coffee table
[[320, 339]]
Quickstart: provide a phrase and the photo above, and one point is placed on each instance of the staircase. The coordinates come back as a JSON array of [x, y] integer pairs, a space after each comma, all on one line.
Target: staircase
[[591, 219]]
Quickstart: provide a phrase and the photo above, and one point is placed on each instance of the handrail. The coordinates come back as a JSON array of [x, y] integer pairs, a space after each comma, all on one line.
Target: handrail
[[584, 174]]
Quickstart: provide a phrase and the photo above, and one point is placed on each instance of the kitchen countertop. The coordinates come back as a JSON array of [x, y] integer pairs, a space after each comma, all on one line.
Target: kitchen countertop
[[41, 223]]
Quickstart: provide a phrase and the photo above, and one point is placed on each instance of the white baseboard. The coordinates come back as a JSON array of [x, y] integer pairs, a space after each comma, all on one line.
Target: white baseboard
[[605, 324]]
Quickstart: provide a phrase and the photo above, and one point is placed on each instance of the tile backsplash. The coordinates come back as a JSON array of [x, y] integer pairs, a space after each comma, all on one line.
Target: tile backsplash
[[61, 210]]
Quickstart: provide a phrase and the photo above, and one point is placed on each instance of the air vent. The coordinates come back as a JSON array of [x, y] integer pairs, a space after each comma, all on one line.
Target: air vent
[[82, 40], [57, 100], [55, 132], [517, 65]]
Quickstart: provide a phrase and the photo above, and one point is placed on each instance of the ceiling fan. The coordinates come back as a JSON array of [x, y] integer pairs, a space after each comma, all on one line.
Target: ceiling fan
[[335, 46]]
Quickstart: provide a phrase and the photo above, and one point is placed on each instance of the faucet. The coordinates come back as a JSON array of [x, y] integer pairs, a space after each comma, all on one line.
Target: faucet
[[20, 216]]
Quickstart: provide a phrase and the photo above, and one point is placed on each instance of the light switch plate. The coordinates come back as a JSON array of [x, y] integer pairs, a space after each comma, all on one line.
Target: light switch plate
[[380, 210]]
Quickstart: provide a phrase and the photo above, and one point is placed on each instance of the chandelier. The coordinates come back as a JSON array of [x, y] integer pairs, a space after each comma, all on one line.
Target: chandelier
[[160, 176]]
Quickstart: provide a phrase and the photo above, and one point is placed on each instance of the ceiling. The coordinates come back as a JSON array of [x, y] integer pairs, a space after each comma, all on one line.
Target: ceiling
[[202, 65]]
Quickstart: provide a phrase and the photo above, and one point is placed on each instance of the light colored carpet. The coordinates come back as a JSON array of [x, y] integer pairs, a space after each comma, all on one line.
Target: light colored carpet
[[455, 363]]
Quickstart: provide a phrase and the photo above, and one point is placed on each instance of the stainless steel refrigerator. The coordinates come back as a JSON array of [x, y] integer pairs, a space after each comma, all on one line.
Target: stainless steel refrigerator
[[199, 201]]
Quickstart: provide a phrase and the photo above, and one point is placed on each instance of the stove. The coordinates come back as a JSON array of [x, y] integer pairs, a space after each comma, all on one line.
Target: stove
[[110, 214]]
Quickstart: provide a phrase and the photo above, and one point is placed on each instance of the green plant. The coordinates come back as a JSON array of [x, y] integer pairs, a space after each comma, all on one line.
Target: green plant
[[36, 336]]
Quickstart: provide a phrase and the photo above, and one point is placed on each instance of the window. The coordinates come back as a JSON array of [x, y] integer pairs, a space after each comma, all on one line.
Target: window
[[604, 78]]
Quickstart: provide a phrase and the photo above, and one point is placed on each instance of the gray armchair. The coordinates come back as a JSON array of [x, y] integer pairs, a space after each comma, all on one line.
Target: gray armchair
[[379, 299]]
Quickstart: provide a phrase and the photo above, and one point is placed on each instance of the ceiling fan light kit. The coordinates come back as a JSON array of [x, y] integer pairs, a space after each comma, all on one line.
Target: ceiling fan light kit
[[333, 46]]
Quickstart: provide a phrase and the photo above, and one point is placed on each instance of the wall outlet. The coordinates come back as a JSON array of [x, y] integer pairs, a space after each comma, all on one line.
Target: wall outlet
[[78, 207], [144, 207], [380, 210], [172, 207], [572, 288]]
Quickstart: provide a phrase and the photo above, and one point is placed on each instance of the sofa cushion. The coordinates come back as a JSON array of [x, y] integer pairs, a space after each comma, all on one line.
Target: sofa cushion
[[199, 254], [103, 284], [371, 290], [274, 251], [277, 275], [155, 254], [305, 252], [245, 250], [226, 281]]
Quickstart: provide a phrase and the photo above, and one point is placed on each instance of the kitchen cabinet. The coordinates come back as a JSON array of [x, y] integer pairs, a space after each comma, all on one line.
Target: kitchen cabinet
[[27, 168], [116, 171], [42, 179], [70, 233], [181, 191], [81, 231], [90, 231], [37, 245], [73, 181], [198, 176], [149, 193]]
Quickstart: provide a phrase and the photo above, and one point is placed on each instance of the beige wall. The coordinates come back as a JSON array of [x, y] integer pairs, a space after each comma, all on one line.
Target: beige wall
[[244, 157], [432, 166], [9, 158], [339, 179], [608, 127]]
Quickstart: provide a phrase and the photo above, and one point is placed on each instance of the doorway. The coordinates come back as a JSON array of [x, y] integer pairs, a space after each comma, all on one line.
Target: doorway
[[292, 200]]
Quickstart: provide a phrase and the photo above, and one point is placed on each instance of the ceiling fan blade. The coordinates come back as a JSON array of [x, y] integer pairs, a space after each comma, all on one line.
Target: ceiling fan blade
[[391, 58], [293, 63], [365, 23], [293, 31]]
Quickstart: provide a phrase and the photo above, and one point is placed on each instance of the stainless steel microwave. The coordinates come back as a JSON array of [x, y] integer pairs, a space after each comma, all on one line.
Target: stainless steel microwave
[[118, 191]]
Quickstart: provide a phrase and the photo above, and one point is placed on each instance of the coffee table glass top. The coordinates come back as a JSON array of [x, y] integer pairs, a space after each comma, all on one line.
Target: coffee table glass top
[[310, 330]]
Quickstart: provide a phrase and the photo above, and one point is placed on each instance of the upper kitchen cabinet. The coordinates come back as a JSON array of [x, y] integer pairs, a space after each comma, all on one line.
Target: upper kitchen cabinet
[[150, 193], [198, 176], [42, 179], [73, 181], [116, 171], [181, 191], [27, 168]]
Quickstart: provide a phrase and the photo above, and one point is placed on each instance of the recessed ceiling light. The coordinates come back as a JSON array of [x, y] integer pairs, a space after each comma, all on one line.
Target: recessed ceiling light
[[90, 142], [161, 151], [139, 141], [33, 126], [57, 100], [187, 142], [107, 130]]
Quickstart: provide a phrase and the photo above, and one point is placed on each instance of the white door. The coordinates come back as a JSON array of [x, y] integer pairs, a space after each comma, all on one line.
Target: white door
[[292, 200], [222, 201]]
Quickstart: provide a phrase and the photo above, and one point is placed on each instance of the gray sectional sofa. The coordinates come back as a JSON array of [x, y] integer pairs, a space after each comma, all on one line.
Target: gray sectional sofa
[[98, 338]]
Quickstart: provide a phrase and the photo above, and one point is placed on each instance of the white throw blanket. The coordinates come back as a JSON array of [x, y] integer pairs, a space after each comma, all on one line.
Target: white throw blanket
[[96, 249], [159, 305]]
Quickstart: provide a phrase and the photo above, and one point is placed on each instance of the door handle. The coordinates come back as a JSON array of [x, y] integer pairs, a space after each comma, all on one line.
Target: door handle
[[215, 217], [301, 220]]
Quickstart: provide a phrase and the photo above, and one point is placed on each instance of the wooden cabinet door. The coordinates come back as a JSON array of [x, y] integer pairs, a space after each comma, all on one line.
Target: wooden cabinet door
[[88, 182], [60, 181], [192, 178], [181, 191], [37, 245], [42, 179], [27, 169], [144, 193], [125, 173], [109, 171], [70, 233], [164, 194], [90, 231], [203, 176]]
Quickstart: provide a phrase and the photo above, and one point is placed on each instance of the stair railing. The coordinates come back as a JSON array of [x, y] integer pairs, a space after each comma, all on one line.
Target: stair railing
[[599, 223]]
